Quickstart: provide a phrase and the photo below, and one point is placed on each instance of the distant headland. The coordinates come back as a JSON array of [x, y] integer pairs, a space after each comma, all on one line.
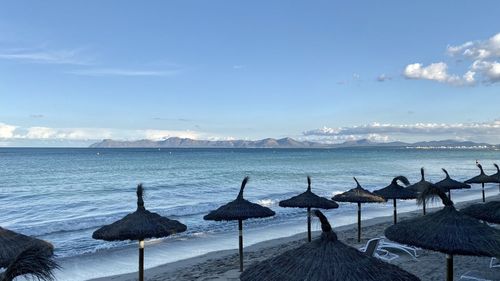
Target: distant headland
[[176, 142]]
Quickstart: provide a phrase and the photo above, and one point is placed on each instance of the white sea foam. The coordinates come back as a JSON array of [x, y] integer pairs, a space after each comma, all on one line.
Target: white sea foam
[[267, 202]]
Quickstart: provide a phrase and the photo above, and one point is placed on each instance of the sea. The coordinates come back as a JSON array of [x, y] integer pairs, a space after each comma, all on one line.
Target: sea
[[62, 195]]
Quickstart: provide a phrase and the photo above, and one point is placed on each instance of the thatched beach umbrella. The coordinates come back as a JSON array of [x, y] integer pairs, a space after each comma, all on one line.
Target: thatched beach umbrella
[[419, 186], [308, 200], [240, 210], [447, 184], [33, 261], [447, 231], [395, 191], [325, 258], [139, 225], [358, 195], [496, 177], [488, 212], [482, 178], [13, 243]]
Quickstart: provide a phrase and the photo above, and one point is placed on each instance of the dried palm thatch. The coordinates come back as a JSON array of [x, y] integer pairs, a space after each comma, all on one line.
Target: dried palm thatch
[[32, 261], [419, 186], [358, 195], [139, 225], [447, 231], [447, 184], [488, 212], [395, 191], [482, 178], [325, 258], [496, 177], [240, 210], [13, 243], [308, 200]]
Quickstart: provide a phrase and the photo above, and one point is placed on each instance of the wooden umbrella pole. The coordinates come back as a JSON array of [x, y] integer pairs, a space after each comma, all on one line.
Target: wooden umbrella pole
[[141, 260], [449, 267], [449, 194], [359, 222], [424, 206], [482, 184], [240, 228], [395, 212], [309, 224]]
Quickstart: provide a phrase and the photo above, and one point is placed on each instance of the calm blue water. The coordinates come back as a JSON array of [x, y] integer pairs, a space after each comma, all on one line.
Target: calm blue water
[[63, 195]]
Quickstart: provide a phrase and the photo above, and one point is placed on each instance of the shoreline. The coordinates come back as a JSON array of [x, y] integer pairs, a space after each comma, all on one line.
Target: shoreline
[[184, 267]]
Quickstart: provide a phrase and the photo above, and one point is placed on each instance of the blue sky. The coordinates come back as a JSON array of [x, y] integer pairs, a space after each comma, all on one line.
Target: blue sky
[[72, 72]]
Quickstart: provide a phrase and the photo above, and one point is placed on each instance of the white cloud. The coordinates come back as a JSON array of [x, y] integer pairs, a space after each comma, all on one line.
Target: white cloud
[[45, 56], [457, 50], [418, 128], [437, 72], [40, 133], [383, 78], [47, 133], [344, 138], [478, 50], [490, 70], [164, 134], [123, 72], [469, 77], [6, 131], [11, 134], [482, 131], [483, 67]]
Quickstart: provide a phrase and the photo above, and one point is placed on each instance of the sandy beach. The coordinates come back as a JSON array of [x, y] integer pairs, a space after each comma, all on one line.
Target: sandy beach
[[222, 265]]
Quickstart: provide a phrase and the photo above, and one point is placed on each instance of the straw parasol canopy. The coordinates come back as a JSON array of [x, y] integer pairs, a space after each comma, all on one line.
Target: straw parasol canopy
[[308, 200], [447, 231], [488, 212], [325, 258], [13, 243], [34, 261], [358, 195], [139, 225], [447, 184], [419, 186], [482, 178], [240, 210], [395, 191], [496, 177]]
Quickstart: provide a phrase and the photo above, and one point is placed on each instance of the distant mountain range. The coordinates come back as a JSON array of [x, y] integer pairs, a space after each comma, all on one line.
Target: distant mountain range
[[176, 142]]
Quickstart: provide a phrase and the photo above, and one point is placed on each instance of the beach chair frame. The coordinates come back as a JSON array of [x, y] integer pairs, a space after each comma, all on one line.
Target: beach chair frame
[[473, 275], [372, 248]]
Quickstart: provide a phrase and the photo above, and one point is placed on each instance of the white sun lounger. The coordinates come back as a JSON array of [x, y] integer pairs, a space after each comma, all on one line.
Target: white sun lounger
[[494, 263], [410, 250], [372, 248], [474, 275], [386, 244]]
